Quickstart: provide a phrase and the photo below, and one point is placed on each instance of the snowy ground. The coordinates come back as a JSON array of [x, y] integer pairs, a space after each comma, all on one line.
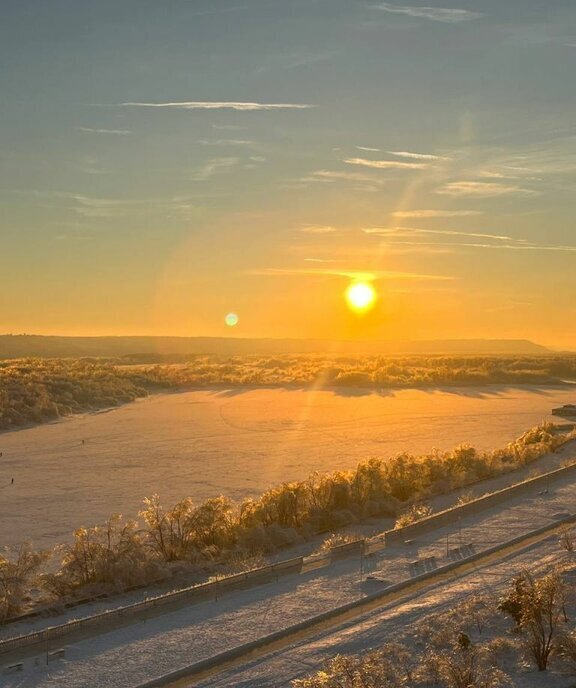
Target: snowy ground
[[235, 443], [393, 623], [125, 657]]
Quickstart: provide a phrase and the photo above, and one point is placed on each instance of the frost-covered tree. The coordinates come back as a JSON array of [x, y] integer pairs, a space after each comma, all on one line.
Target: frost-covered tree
[[111, 553], [18, 571], [538, 608]]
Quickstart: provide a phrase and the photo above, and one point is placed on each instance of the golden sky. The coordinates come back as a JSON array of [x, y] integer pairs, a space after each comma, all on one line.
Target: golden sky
[[162, 167]]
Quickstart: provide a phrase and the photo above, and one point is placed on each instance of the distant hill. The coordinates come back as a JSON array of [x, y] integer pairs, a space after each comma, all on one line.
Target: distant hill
[[19, 346]]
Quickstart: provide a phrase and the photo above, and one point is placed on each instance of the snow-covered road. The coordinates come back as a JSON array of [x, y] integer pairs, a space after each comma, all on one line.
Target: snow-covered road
[[392, 622]]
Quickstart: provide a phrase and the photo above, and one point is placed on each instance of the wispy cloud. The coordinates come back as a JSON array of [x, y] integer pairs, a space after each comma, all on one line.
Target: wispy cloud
[[227, 127], [435, 213], [509, 247], [331, 176], [410, 236], [108, 207], [441, 14], [367, 148], [363, 182], [113, 132], [214, 167], [220, 105], [483, 189], [417, 156], [225, 142], [404, 231], [387, 164], [349, 274], [317, 229]]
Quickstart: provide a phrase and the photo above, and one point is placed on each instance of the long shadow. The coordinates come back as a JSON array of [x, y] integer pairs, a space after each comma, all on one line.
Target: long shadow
[[472, 391], [229, 391]]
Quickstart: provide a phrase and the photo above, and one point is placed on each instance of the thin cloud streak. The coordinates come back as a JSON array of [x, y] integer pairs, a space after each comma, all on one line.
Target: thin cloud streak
[[328, 175], [113, 132], [317, 229], [225, 142], [349, 274], [417, 156], [220, 105], [483, 190], [387, 164], [440, 14], [214, 167], [436, 213], [511, 247], [320, 260], [400, 231]]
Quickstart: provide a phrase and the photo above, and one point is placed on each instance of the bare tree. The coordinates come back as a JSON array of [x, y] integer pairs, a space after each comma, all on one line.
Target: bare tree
[[567, 540], [543, 614], [374, 670], [468, 666]]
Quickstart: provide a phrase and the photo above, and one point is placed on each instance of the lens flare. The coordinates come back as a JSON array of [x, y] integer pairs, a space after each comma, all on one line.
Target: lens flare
[[360, 296], [231, 319]]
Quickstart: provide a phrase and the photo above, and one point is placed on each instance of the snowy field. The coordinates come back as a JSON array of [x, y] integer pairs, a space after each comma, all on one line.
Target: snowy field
[[80, 470]]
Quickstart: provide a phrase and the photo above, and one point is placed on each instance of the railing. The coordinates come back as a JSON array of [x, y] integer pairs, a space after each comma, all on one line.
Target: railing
[[300, 565]]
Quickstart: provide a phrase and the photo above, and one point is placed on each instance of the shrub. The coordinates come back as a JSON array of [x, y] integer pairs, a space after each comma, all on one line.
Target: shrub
[[336, 540], [414, 514]]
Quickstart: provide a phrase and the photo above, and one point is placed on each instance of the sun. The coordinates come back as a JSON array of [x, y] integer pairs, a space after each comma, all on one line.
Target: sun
[[360, 296]]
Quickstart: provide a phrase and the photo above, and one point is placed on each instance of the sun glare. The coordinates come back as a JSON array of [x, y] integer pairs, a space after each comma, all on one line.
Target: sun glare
[[360, 296]]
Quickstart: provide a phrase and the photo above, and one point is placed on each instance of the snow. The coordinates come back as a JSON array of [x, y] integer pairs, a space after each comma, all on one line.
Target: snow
[[236, 443], [125, 657], [394, 622]]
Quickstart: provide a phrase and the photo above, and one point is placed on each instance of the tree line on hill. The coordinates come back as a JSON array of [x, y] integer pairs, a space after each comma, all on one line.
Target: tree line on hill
[[362, 371], [40, 390]]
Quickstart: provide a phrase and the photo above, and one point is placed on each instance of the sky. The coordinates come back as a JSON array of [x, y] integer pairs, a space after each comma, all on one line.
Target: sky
[[164, 164]]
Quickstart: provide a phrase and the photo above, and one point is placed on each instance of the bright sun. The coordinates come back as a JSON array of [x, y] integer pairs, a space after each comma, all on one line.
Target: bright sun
[[360, 296]]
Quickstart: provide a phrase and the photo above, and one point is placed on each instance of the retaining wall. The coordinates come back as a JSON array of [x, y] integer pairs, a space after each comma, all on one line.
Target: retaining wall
[[268, 574], [450, 516], [273, 641]]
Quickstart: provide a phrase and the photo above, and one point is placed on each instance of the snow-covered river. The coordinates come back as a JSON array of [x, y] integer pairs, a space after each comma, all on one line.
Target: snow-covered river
[[204, 443]]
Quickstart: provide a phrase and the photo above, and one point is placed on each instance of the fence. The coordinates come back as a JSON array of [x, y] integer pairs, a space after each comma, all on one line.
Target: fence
[[272, 573], [192, 595]]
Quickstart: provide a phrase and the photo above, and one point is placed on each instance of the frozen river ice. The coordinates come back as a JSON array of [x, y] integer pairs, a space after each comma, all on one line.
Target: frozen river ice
[[203, 443]]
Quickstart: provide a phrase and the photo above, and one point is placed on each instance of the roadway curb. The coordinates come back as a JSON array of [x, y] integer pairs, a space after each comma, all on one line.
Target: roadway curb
[[218, 662]]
